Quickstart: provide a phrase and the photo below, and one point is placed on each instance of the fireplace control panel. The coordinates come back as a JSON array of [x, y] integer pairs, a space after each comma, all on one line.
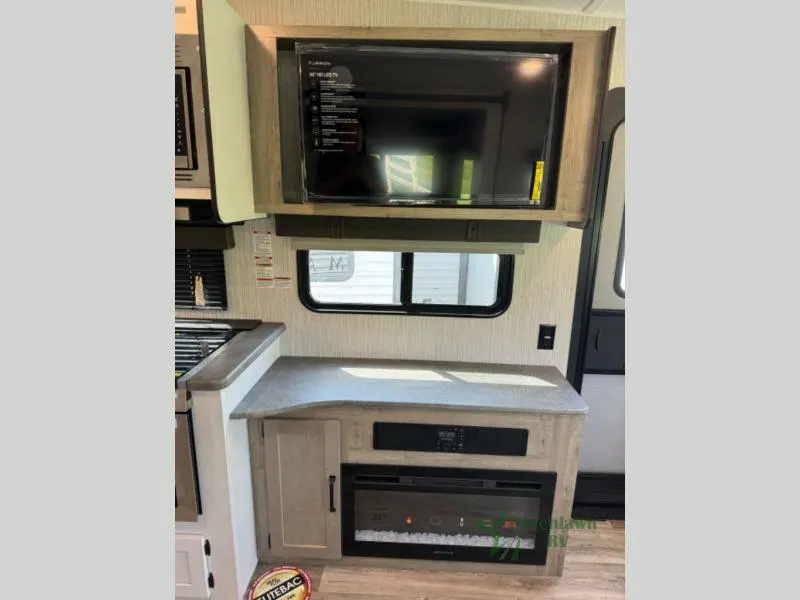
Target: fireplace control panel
[[424, 437], [450, 439]]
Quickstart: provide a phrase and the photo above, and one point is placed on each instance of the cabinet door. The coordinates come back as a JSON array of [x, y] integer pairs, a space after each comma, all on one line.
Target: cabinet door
[[302, 468], [191, 567], [605, 348]]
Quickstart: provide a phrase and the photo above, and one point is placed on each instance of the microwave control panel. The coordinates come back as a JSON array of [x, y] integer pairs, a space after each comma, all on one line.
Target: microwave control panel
[[192, 168]]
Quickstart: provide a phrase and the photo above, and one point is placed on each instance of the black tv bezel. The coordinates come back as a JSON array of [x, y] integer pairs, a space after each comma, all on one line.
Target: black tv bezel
[[292, 157]]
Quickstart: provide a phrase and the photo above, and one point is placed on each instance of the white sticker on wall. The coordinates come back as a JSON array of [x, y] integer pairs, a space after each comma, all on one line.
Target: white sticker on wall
[[262, 242], [265, 278], [262, 258]]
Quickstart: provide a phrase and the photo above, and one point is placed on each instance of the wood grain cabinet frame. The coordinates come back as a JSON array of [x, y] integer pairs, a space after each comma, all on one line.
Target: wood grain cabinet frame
[[296, 469], [588, 82]]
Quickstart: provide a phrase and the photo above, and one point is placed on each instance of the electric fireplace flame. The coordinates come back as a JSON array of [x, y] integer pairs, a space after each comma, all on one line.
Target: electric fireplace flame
[[438, 539]]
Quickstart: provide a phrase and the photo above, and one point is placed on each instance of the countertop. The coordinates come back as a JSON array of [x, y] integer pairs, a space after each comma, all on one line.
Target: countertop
[[220, 369], [296, 383]]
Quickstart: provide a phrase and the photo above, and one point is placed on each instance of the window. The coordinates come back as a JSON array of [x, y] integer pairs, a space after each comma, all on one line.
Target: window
[[417, 283], [619, 276]]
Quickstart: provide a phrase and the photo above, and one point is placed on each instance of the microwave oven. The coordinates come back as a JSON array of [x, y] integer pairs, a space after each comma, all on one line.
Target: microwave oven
[[213, 151]]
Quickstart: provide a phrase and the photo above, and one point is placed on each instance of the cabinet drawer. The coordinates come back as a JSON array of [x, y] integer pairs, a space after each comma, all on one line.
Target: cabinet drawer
[[605, 346], [191, 566]]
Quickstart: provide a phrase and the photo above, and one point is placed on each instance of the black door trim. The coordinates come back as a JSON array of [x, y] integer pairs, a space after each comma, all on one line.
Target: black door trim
[[613, 117]]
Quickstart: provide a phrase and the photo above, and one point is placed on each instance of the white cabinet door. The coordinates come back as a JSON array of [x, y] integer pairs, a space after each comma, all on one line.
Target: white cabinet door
[[302, 467], [191, 566]]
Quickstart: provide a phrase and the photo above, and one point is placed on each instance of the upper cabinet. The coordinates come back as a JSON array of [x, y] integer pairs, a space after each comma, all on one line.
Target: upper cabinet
[[462, 124], [213, 156]]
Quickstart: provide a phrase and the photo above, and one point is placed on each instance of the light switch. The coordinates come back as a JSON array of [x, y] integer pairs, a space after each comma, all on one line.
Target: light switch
[[547, 337]]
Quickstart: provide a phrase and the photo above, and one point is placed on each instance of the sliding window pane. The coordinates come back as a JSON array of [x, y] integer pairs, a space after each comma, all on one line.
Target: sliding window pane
[[458, 279], [354, 277]]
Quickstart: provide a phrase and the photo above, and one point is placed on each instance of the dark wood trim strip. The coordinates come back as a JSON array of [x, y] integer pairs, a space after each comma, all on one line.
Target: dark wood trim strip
[[189, 237]]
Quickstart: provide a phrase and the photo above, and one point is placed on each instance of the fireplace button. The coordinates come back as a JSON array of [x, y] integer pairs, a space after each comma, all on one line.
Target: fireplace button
[[435, 521]]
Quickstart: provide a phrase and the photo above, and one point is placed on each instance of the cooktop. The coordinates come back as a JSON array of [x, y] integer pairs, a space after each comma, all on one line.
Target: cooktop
[[196, 340]]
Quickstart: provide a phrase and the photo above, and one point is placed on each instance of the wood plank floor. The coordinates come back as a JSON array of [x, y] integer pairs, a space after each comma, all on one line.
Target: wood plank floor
[[594, 570]]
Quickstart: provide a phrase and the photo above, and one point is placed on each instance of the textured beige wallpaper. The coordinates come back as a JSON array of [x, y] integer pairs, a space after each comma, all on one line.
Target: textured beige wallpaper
[[544, 278]]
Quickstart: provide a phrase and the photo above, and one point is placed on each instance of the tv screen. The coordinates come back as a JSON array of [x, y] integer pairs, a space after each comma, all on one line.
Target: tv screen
[[440, 126]]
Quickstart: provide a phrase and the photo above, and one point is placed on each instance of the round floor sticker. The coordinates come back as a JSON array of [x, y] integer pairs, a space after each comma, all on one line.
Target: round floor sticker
[[286, 583]]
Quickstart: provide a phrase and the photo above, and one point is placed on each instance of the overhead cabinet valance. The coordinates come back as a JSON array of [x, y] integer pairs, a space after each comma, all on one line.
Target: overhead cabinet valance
[[460, 124]]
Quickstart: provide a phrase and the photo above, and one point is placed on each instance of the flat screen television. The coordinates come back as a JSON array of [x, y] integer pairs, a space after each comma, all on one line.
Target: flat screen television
[[403, 124]]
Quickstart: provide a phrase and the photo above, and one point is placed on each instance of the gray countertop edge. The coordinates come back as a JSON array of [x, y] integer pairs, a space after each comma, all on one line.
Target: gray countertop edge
[[242, 412], [225, 365]]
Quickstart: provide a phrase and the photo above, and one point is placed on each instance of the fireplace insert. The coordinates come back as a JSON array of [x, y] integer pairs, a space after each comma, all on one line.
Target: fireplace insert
[[473, 515]]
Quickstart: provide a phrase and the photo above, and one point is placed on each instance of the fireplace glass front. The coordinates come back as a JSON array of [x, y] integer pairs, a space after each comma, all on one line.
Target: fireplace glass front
[[446, 514]]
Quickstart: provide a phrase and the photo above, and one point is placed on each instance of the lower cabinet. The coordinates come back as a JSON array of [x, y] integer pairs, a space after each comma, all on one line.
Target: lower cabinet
[[302, 467], [605, 348], [192, 576]]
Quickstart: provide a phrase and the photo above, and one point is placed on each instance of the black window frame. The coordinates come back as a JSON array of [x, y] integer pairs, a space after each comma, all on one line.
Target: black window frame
[[505, 281]]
